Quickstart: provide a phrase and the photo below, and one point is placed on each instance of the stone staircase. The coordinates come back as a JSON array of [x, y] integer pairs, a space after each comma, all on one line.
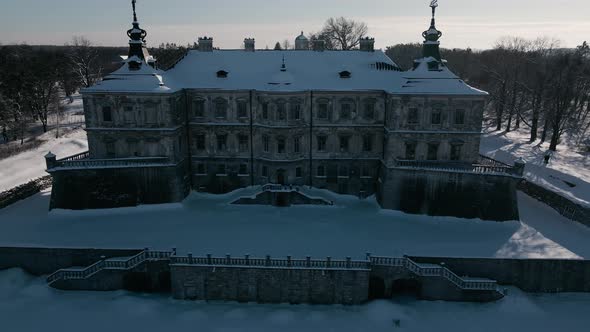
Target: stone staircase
[[124, 263], [281, 195]]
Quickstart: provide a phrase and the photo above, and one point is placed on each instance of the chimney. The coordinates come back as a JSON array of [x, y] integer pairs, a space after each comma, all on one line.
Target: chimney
[[205, 44], [249, 44], [319, 45], [368, 44]]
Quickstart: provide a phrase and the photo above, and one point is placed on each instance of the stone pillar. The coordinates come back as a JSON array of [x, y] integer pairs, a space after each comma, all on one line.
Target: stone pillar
[[50, 160], [249, 45], [519, 166]]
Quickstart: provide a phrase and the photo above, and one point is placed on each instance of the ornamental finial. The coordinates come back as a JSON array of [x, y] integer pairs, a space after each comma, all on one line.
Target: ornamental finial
[[133, 2], [433, 5]]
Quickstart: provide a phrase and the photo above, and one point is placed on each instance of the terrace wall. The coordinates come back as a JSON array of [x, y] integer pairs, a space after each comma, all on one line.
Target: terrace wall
[[24, 191]]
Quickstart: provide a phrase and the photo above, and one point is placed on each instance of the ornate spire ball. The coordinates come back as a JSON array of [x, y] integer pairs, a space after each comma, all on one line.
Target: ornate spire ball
[[432, 35], [137, 49]]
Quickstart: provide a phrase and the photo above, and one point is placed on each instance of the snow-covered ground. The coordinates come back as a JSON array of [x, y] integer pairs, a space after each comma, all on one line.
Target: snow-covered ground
[[28, 165], [209, 224], [568, 173], [28, 304]]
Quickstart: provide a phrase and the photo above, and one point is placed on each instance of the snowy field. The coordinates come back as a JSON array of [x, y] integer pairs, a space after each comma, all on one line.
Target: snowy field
[[28, 165], [568, 173], [209, 224], [27, 304]]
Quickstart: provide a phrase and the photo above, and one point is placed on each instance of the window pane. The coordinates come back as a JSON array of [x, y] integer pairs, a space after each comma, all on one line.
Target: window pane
[[322, 143], [433, 151], [344, 143], [369, 111], [368, 143], [460, 117], [242, 110], [107, 114], [281, 145], [323, 111], [413, 116], [200, 108], [410, 151], [436, 117]]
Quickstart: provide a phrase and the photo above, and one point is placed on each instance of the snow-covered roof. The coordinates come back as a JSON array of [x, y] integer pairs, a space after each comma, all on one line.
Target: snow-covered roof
[[145, 79], [305, 70]]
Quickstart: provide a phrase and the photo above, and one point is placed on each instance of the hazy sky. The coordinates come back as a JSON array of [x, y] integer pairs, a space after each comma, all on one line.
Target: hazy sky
[[465, 23]]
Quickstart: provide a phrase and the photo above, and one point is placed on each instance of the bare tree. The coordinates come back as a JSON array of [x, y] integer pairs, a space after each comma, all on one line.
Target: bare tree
[[84, 59], [343, 33]]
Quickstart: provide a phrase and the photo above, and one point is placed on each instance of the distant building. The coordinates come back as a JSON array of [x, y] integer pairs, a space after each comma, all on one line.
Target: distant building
[[348, 121]]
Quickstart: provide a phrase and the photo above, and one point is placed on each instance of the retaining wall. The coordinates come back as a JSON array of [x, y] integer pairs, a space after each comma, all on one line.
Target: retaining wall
[[564, 206], [270, 285], [40, 261], [530, 275], [24, 191]]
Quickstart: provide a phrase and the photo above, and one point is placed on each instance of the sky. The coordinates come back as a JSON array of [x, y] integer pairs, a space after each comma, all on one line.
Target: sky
[[465, 23]]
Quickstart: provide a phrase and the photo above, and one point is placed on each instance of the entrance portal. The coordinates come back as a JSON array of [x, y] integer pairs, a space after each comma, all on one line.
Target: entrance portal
[[281, 177]]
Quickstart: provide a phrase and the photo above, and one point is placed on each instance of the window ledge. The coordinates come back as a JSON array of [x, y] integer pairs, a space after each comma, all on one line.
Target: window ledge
[[221, 175]]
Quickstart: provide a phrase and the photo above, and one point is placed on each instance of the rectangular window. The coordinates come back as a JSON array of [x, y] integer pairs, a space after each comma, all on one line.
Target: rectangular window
[[410, 151], [129, 116], [199, 109], [264, 171], [321, 171], [368, 143], [266, 143], [107, 114], [322, 140], [221, 142], [243, 169], [110, 149], [460, 117], [370, 111], [366, 172], [281, 145], [436, 118], [433, 151], [298, 172], [281, 111], [323, 111], [133, 148], [456, 152], [295, 111], [221, 169], [413, 116], [265, 111], [297, 145], [220, 110], [345, 111], [242, 110], [344, 143], [201, 169], [200, 142], [244, 143], [343, 171]]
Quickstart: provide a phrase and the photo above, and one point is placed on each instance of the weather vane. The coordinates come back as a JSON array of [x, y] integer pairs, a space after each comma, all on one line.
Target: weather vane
[[434, 3]]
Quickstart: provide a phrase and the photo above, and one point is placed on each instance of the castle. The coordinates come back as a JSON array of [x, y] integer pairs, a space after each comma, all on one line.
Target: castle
[[348, 121]]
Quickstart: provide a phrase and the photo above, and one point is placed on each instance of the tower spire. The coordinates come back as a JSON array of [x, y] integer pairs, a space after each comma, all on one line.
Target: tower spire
[[431, 36], [138, 52]]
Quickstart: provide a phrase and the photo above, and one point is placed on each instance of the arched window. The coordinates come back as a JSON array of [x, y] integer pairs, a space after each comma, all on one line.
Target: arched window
[[281, 110]]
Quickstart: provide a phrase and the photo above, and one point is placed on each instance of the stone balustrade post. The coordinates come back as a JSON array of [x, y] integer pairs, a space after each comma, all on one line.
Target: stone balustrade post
[[190, 258], [348, 262], [209, 262], [50, 160], [328, 261], [289, 264], [173, 251], [228, 259], [247, 259], [267, 263], [308, 261]]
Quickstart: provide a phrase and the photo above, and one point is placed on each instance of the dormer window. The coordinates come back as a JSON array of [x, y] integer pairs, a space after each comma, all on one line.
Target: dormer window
[[345, 74], [433, 66], [222, 74]]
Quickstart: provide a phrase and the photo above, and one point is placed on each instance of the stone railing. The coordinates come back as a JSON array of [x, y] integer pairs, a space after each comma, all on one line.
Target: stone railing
[[477, 168], [110, 264], [83, 160], [269, 262], [432, 270], [279, 188]]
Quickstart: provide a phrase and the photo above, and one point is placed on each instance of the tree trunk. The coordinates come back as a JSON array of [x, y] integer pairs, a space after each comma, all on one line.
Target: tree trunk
[[545, 129], [535, 121]]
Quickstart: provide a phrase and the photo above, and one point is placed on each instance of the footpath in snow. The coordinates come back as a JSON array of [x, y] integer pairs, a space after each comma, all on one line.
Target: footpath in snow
[[209, 224], [27, 304], [568, 173]]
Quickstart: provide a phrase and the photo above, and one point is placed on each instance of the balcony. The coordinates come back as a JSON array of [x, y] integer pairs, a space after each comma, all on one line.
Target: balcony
[[83, 161]]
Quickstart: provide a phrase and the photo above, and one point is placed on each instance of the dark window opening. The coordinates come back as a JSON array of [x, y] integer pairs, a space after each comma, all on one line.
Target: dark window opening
[[297, 145], [321, 171], [222, 74], [200, 109], [242, 110], [433, 151], [201, 169], [344, 143], [370, 111], [281, 145], [266, 143], [298, 172], [281, 112], [413, 116], [265, 111], [243, 169], [220, 109], [264, 171], [456, 152], [200, 142], [410, 151], [221, 169], [436, 118], [244, 143], [343, 171], [295, 111], [368, 143], [345, 74], [460, 117], [345, 111], [322, 140], [107, 114], [221, 142], [323, 111]]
